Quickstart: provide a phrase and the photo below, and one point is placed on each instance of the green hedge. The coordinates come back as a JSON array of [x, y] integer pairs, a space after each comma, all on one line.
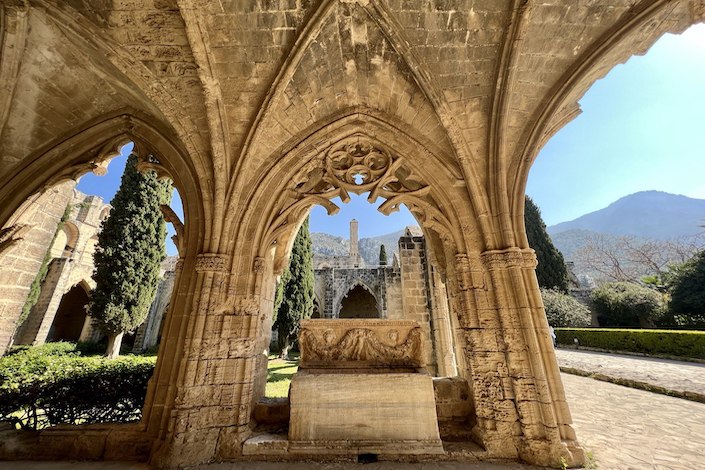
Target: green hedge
[[54, 384], [664, 342]]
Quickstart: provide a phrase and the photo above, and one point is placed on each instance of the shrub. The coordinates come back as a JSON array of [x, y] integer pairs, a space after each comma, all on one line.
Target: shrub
[[627, 304], [689, 344], [687, 291], [563, 310], [54, 384]]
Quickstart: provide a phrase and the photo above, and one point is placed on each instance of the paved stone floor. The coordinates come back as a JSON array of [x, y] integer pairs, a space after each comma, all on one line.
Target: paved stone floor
[[626, 429], [672, 375]]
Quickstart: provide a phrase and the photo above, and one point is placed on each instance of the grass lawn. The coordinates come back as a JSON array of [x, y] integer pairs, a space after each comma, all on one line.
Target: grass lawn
[[279, 372]]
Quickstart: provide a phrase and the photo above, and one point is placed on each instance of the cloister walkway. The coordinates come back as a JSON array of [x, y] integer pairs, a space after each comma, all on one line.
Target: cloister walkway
[[676, 377]]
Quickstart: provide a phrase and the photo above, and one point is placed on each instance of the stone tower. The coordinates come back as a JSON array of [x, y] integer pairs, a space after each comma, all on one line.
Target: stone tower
[[354, 251]]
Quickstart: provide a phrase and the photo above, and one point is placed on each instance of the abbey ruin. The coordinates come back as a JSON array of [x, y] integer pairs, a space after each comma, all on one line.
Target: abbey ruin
[[258, 110]]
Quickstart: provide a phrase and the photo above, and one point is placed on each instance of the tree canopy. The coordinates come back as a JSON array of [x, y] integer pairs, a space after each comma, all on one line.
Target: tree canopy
[[294, 298], [382, 255], [687, 287], [130, 250], [551, 270]]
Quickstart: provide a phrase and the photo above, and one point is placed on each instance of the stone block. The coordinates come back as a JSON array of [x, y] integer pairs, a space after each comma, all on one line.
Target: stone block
[[363, 412]]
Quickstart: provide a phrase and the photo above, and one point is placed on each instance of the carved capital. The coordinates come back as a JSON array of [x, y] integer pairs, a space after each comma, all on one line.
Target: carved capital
[[509, 258], [179, 266], [469, 271], [211, 262]]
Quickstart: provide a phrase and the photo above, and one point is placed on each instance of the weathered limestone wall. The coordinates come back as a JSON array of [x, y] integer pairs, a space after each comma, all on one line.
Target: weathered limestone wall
[[415, 293], [147, 335], [20, 262], [71, 263]]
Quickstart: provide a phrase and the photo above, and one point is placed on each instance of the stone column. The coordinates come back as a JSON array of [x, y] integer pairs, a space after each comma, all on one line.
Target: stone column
[[442, 329], [214, 374], [518, 391]]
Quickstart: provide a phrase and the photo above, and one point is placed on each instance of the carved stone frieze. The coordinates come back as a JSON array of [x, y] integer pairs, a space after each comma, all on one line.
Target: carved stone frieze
[[509, 258], [211, 262], [360, 343]]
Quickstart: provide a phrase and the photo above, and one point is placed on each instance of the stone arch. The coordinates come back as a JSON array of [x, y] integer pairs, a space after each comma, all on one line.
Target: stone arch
[[90, 147], [396, 166], [72, 234], [633, 35], [71, 314], [435, 210], [104, 213], [358, 288]]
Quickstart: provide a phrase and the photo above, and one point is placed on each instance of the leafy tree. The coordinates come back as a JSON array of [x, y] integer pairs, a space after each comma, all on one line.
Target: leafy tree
[[627, 304], [128, 255], [563, 310], [551, 271], [687, 288], [297, 291], [382, 256]]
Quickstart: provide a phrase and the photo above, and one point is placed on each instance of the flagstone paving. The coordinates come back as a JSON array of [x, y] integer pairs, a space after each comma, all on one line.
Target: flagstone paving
[[625, 428], [683, 377]]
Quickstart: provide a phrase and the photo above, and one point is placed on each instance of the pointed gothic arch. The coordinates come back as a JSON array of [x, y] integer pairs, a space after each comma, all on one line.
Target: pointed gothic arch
[[357, 300]]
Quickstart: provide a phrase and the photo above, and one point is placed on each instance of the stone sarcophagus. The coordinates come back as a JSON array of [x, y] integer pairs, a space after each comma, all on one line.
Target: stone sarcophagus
[[361, 389], [361, 344]]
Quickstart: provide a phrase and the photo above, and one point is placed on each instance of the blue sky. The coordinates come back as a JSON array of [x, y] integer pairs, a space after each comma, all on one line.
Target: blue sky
[[642, 128]]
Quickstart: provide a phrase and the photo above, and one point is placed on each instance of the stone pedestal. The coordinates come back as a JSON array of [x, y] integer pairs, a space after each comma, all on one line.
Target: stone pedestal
[[360, 389], [360, 413]]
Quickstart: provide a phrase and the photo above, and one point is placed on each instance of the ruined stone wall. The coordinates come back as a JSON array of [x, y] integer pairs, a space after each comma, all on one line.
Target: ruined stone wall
[[415, 291], [20, 262], [71, 264]]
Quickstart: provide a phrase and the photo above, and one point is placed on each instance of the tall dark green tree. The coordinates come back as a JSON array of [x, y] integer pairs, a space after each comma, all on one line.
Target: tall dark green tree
[[551, 270], [128, 255], [296, 298], [382, 256]]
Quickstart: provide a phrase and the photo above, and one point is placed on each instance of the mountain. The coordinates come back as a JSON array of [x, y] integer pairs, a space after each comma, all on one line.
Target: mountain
[[325, 244], [647, 214], [369, 247]]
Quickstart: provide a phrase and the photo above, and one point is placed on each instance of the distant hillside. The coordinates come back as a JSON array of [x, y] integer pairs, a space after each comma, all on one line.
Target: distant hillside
[[369, 247], [647, 214], [325, 244]]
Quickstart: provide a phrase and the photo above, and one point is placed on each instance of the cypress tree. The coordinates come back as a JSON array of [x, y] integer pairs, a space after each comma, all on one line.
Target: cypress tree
[[551, 271], [382, 256], [297, 290], [128, 255]]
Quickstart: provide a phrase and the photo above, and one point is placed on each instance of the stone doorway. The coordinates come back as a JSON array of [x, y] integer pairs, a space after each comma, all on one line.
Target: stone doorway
[[70, 316], [359, 303]]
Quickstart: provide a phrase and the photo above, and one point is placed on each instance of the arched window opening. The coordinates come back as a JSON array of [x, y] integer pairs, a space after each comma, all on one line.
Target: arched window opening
[[359, 303], [635, 212], [60, 228], [70, 316]]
